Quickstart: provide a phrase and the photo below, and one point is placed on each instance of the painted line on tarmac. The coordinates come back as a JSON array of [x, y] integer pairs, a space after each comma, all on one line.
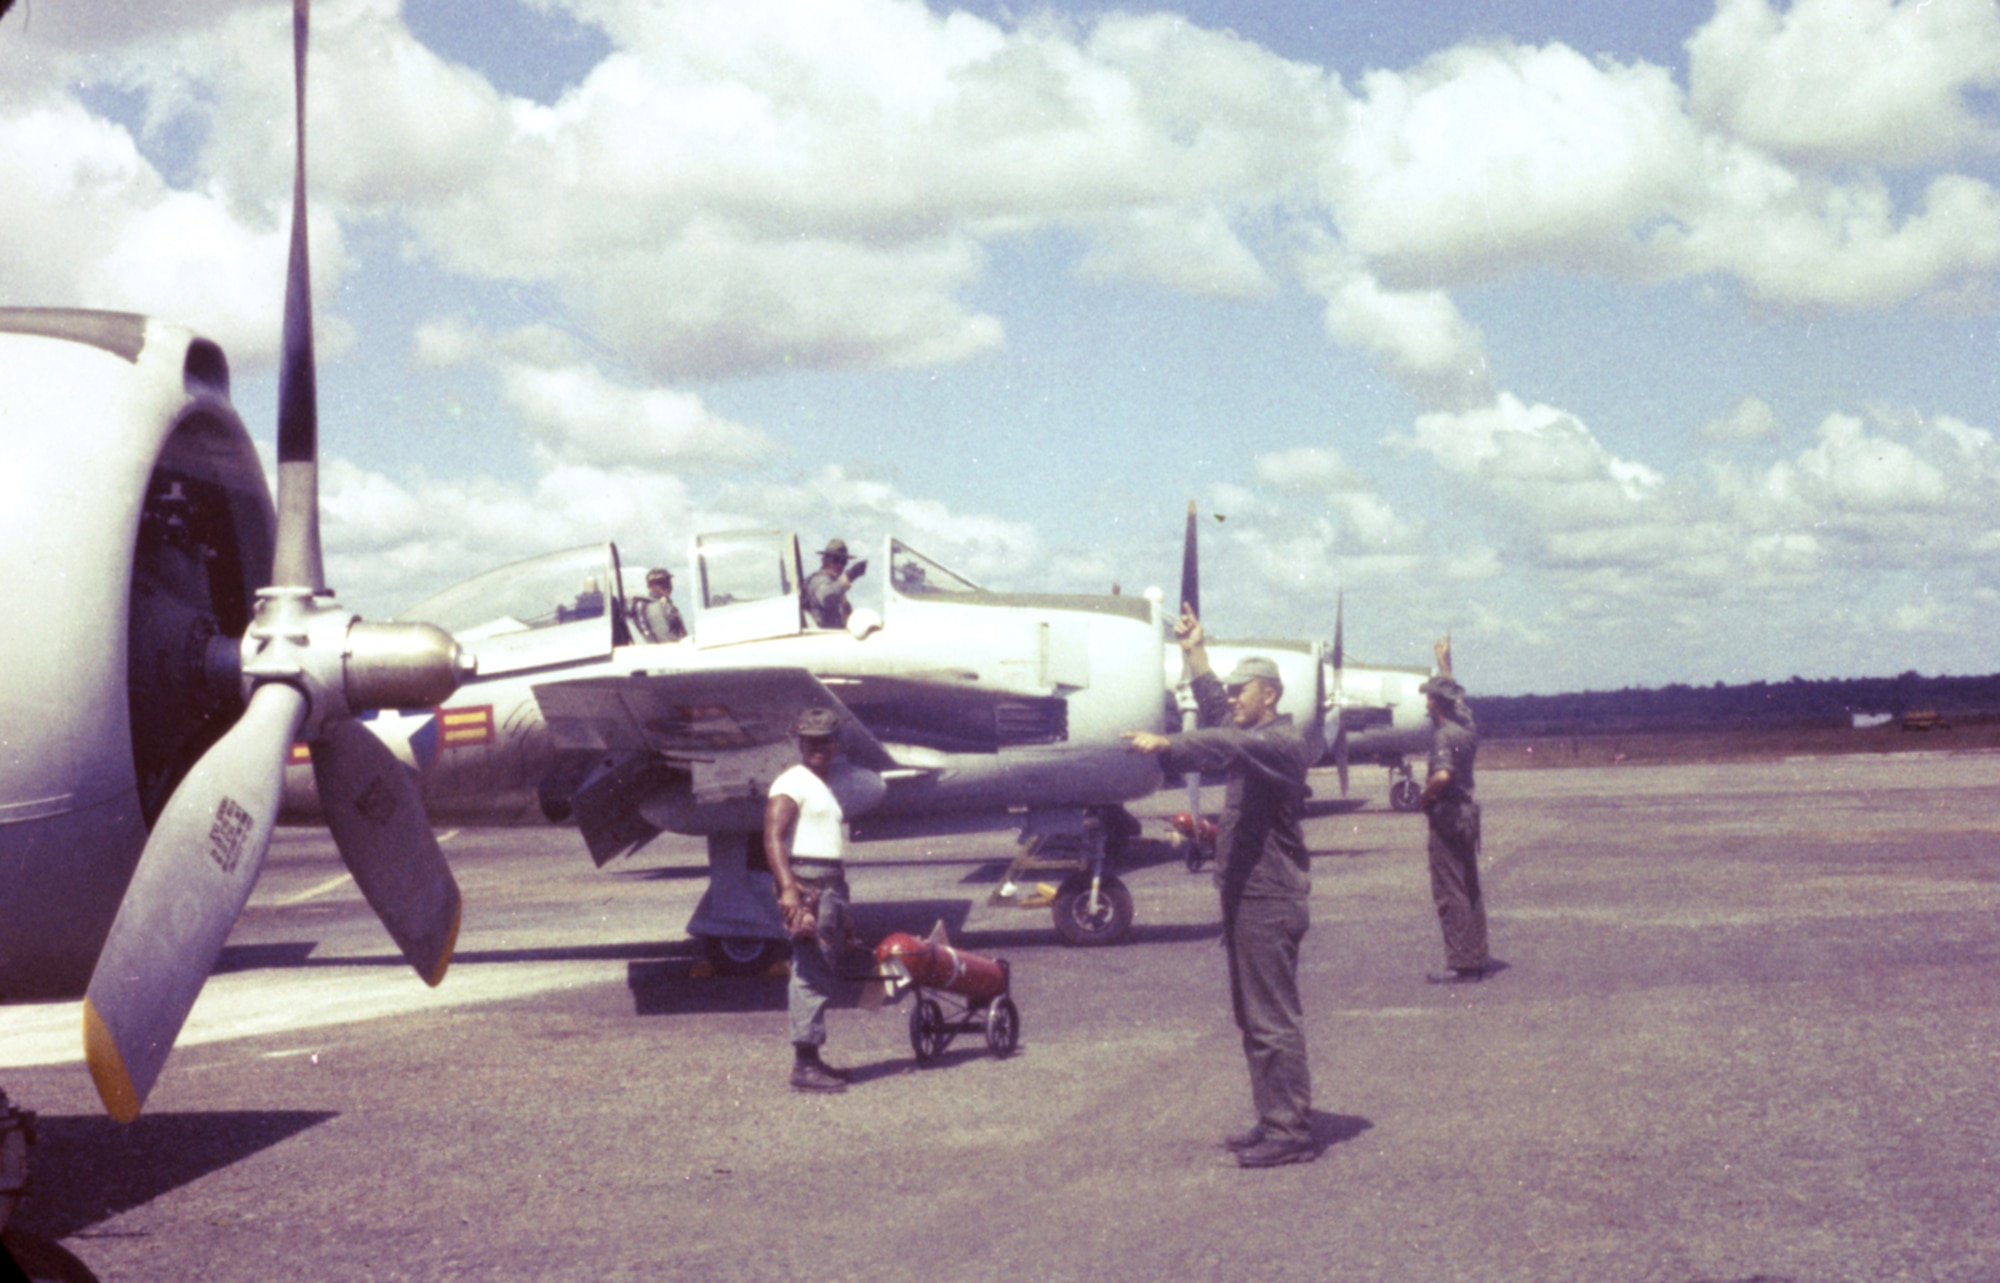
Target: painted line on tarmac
[[312, 892], [251, 1004]]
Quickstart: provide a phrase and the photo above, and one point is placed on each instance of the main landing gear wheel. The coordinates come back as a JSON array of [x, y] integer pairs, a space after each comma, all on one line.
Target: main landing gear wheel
[[1403, 794], [928, 1035], [741, 955], [1080, 922], [1003, 1027]]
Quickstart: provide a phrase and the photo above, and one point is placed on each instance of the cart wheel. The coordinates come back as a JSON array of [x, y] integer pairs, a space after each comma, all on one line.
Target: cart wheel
[[927, 1032], [741, 955], [1003, 1027], [1079, 922]]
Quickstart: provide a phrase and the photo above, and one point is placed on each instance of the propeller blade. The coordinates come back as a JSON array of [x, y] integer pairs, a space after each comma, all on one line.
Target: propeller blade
[[191, 883], [1340, 757], [296, 562], [1339, 650], [1191, 566], [378, 822]]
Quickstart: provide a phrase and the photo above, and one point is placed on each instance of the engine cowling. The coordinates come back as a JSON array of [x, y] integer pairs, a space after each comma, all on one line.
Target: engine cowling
[[137, 527]]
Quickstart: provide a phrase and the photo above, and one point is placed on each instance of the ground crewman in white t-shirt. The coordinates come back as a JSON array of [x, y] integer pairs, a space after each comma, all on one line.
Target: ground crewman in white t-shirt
[[805, 840]]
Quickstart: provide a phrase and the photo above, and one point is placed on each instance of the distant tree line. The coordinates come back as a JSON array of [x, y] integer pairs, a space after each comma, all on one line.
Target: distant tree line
[[1798, 702]]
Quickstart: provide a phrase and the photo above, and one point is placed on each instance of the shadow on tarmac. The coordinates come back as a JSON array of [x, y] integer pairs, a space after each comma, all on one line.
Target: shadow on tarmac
[[296, 955], [89, 1169], [35, 1259], [1333, 1129], [1320, 807]]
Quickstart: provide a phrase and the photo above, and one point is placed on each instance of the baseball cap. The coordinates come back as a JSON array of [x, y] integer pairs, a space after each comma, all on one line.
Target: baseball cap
[[1442, 688], [1253, 666], [817, 723]]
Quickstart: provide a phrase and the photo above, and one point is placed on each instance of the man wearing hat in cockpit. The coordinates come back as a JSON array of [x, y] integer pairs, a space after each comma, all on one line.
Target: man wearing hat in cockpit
[[826, 588], [1453, 812], [1264, 874]]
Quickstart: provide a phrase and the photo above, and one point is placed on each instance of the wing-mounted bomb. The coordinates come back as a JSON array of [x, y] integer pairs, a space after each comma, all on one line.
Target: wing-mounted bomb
[[978, 991]]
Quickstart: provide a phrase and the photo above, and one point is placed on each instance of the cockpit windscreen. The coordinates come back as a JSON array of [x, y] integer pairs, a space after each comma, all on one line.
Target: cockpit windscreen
[[542, 592], [915, 575]]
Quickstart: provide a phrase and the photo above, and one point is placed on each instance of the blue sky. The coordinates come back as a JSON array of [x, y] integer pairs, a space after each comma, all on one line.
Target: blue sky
[[1631, 344]]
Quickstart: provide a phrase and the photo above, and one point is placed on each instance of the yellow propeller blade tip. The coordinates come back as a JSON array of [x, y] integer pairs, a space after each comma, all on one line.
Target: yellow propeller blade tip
[[436, 977], [107, 1067]]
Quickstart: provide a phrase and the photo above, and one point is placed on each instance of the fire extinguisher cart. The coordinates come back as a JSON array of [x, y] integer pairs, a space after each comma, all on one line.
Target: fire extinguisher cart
[[956, 993]]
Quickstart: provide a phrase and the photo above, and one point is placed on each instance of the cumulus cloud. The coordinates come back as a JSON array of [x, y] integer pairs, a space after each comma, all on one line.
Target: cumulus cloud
[[91, 223], [1308, 469], [1540, 460], [577, 415], [1193, 251], [740, 188], [1751, 420], [571, 412], [1842, 82], [1898, 492], [1417, 337], [1489, 158]]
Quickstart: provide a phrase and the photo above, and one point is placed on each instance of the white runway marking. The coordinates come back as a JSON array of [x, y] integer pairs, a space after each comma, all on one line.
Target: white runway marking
[[249, 1004], [303, 896]]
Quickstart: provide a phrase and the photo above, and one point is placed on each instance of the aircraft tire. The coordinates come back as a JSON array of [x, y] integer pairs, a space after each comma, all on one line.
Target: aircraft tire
[[1075, 921], [1403, 794], [741, 955]]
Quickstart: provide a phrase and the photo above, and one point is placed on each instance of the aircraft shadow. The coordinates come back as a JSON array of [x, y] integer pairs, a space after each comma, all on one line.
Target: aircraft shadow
[[89, 1169], [296, 955], [1043, 935], [1323, 806], [662, 873]]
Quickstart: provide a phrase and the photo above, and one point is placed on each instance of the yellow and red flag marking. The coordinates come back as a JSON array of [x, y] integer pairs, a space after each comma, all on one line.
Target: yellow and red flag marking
[[301, 755], [466, 727]]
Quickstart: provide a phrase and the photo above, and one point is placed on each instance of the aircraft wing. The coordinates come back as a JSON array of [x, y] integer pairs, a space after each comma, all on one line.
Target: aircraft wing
[[729, 730], [698, 718]]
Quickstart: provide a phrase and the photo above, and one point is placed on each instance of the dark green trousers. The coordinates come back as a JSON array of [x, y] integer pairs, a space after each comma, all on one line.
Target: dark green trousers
[[1461, 905], [1262, 938]]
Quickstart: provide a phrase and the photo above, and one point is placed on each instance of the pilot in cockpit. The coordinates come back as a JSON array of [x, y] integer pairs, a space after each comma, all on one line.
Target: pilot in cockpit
[[655, 617], [589, 603], [826, 588]]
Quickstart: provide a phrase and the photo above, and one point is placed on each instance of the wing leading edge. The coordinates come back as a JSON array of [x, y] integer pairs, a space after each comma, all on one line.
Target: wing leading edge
[[691, 751]]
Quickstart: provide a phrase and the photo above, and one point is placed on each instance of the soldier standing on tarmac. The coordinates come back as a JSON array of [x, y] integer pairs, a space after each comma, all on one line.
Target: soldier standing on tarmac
[[1264, 874], [805, 840], [1453, 812]]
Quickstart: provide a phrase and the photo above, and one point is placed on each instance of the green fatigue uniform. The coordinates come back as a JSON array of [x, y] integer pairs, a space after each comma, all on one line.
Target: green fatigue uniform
[[1454, 846], [1264, 876]]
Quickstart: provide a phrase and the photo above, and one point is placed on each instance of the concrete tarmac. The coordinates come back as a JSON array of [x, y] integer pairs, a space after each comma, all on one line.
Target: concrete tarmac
[[1749, 1029]]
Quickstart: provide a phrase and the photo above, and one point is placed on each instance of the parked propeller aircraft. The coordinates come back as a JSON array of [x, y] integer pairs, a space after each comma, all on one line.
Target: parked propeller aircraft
[[170, 635], [967, 709]]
